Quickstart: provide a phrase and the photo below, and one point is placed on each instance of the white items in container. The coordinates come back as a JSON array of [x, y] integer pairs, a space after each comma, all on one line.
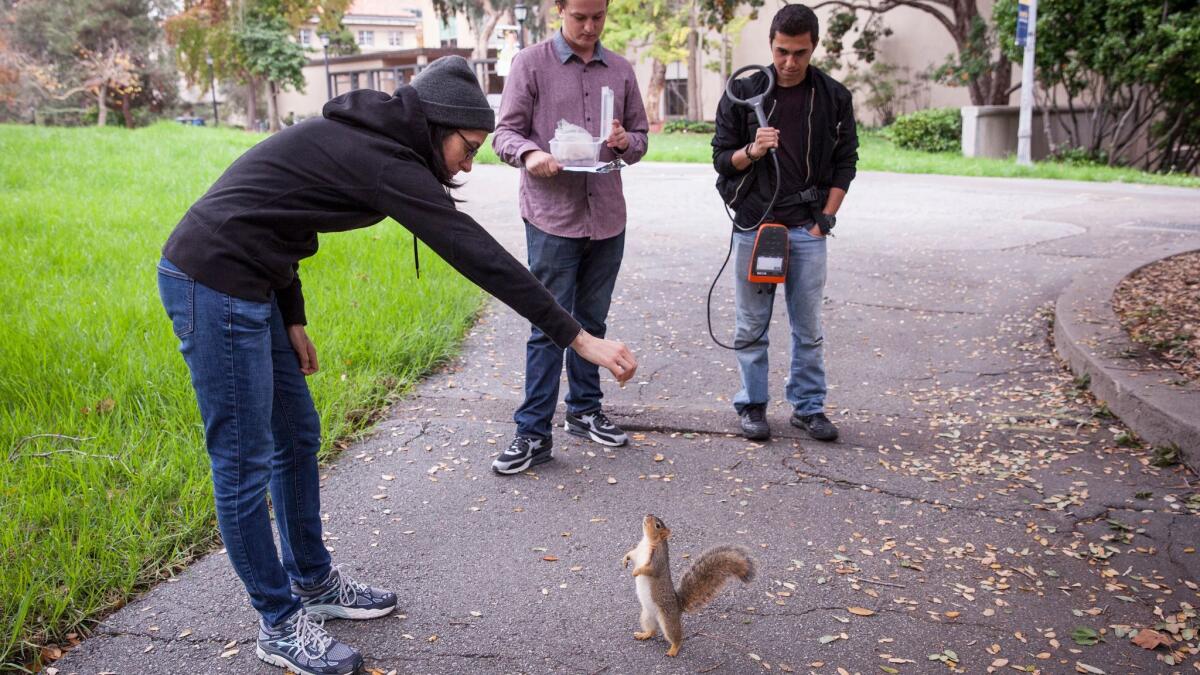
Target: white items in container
[[574, 146]]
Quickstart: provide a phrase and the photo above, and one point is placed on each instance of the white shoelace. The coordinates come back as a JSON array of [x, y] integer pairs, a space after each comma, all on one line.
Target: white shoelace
[[349, 589], [309, 636]]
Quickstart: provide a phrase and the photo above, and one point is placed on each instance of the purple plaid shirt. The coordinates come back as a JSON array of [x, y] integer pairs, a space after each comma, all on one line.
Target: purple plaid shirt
[[548, 82]]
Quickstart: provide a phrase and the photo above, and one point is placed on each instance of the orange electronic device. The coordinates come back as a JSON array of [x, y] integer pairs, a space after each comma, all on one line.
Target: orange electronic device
[[769, 258]]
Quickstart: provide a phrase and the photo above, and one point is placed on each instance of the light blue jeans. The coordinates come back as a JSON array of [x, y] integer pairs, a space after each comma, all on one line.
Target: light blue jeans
[[803, 290]]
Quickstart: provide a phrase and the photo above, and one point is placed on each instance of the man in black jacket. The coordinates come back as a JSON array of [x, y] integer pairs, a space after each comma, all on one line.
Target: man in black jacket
[[812, 127]]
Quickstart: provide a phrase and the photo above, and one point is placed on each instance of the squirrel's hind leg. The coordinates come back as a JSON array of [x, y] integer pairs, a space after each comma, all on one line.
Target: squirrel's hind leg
[[673, 631], [648, 624]]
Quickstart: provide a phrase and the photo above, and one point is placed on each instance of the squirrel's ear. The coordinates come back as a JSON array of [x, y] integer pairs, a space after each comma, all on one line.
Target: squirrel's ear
[[666, 532]]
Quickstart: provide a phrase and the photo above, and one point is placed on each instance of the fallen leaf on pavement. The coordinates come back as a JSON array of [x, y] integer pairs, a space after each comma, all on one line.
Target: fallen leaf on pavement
[[1150, 639]]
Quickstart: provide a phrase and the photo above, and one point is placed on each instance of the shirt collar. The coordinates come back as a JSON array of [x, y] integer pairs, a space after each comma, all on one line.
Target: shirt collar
[[563, 50]]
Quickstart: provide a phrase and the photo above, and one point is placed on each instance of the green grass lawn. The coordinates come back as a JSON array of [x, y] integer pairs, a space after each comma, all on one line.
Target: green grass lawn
[[876, 153], [120, 495]]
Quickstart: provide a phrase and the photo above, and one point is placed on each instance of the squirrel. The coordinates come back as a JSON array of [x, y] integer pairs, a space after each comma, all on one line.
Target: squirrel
[[662, 604]]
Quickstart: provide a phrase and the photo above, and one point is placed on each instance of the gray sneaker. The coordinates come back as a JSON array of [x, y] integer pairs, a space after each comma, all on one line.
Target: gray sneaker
[[340, 597], [302, 646]]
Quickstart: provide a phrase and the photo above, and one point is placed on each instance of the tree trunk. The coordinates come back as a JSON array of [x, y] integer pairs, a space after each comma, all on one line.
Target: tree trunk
[[482, 36], [1001, 77], [127, 112], [695, 110], [272, 107], [251, 103], [102, 101], [654, 91]]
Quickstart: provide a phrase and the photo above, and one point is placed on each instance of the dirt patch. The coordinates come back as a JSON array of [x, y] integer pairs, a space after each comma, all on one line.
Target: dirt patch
[[1159, 305]]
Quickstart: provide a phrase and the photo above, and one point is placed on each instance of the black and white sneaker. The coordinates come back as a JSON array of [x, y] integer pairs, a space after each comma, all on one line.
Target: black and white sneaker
[[302, 646], [596, 426], [340, 597], [523, 453]]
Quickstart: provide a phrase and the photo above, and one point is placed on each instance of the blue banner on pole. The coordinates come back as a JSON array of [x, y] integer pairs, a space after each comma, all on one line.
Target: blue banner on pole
[[1022, 23]]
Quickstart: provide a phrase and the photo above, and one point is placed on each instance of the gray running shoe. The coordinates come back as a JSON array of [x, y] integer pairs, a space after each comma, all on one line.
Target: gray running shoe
[[340, 597], [302, 646]]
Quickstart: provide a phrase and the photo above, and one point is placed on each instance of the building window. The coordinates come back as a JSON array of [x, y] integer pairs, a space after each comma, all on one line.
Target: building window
[[675, 98], [366, 38], [448, 35], [305, 37], [395, 38]]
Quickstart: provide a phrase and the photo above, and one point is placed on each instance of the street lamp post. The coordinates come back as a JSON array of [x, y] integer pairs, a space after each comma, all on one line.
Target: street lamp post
[[325, 52], [520, 11], [212, 85]]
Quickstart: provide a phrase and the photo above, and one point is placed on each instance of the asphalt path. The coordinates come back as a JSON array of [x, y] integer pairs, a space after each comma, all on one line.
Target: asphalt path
[[976, 506]]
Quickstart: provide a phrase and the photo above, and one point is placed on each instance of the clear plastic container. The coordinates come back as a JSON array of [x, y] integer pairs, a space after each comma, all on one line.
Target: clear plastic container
[[576, 153]]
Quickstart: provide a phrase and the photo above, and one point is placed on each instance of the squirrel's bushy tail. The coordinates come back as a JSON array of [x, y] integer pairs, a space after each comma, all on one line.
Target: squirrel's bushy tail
[[709, 573]]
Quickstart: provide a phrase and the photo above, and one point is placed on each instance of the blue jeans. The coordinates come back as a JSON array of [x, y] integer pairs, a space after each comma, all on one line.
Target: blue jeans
[[803, 288], [262, 431], [581, 275]]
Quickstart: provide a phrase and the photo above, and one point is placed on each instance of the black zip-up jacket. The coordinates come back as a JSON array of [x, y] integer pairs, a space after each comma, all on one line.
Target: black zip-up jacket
[[366, 159], [833, 145]]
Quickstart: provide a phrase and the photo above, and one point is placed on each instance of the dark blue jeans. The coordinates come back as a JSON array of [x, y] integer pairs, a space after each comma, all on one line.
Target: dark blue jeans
[[581, 275], [262, 432]]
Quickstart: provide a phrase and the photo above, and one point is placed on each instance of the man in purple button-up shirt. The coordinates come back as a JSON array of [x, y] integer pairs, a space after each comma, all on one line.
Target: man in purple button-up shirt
[[574, 222]]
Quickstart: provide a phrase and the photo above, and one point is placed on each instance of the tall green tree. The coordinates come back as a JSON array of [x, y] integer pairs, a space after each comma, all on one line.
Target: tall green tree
[[249, 41], [482, 17], [710, 16], [655, 29], [978, 63], [101, 48], [1127, 72], [670, 31]]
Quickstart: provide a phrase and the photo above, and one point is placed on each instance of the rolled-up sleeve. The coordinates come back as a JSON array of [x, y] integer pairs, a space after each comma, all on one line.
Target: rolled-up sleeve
[[511, 140]]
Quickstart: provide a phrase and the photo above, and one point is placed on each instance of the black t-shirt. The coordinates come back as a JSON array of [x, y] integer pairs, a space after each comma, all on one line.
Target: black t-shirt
[[792, 120]]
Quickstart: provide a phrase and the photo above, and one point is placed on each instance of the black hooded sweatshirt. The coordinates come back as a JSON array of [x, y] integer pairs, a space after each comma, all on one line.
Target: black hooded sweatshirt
[[367, 158]]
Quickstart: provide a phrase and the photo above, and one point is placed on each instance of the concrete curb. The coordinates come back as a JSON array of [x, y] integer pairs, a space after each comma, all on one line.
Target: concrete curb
[[1088, 335]]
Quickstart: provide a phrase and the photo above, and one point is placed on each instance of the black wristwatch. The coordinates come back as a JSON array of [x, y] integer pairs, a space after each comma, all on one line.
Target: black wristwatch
[[826, 221]]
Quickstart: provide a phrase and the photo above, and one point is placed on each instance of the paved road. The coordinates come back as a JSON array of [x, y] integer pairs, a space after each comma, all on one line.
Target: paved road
[[974, 503]]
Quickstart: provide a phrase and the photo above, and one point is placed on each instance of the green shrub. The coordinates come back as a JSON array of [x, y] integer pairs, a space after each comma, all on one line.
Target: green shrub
[[933, 130], [689, 127], [1082, 157]]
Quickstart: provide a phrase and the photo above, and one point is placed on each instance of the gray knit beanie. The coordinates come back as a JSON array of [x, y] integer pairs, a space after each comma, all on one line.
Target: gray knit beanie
[[450, 95]]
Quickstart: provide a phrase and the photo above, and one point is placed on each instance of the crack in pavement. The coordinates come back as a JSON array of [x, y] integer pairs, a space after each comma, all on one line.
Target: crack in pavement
[[916, 310], [106, 631], [907, 614], [846, 484]]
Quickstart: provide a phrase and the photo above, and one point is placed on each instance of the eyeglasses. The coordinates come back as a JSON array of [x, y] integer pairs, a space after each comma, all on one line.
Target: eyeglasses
[[471, 147]]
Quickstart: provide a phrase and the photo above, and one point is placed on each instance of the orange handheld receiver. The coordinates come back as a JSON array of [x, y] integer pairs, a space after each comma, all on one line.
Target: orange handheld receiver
[[769, 257]]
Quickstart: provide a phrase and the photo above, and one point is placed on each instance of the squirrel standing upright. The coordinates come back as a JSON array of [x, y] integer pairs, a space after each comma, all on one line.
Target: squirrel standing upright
[[662, 604]]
